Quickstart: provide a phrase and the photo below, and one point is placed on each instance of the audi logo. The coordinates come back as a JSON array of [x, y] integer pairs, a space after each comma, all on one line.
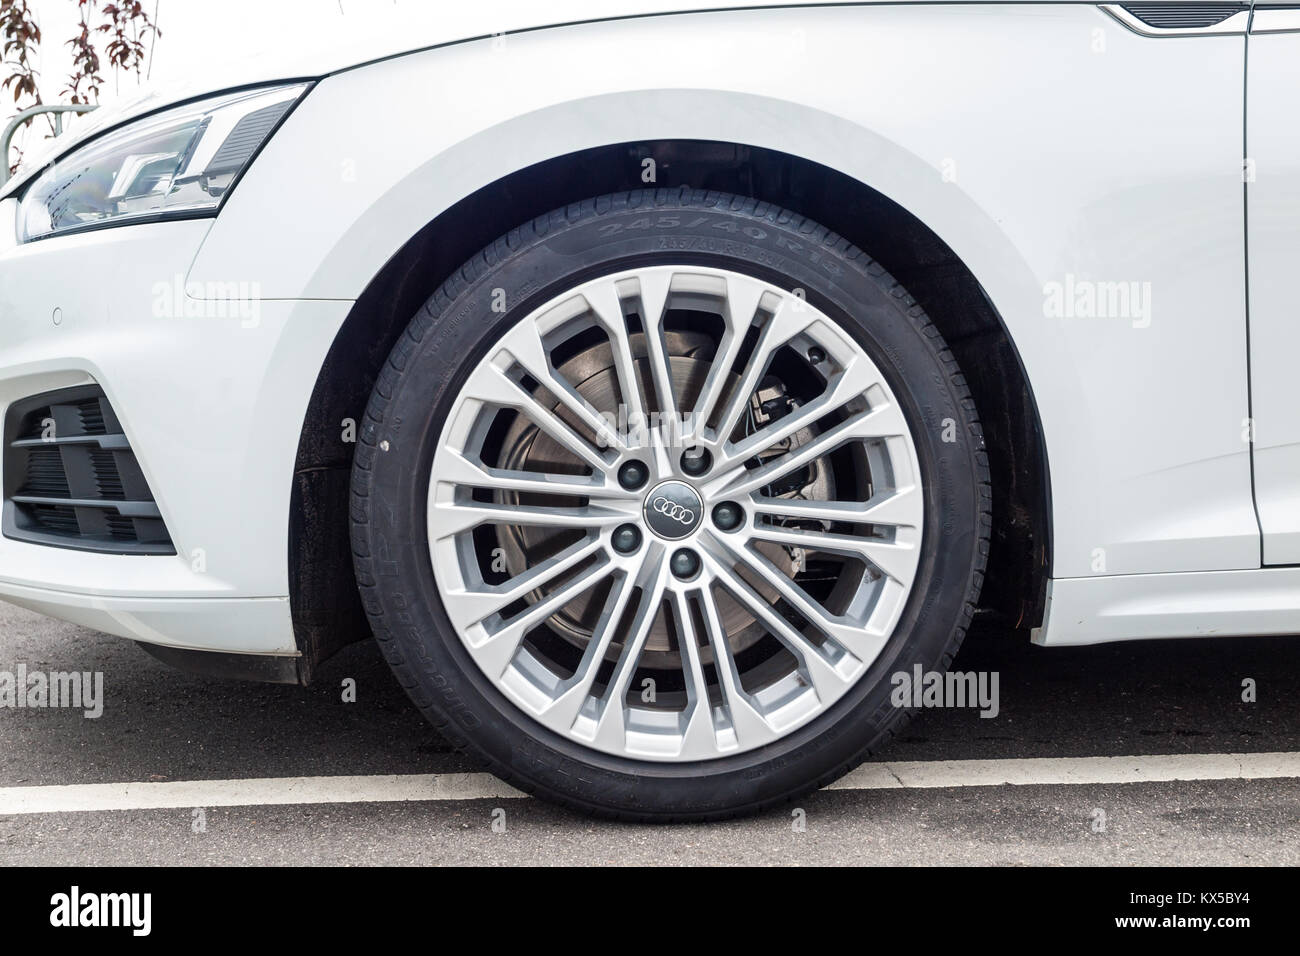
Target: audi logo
[[672, 509]]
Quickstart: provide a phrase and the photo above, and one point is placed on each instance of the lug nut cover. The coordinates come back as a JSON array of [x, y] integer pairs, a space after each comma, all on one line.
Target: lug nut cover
[[727, 515], [633, 474], [685, 563], [627, 538], [696, 461]]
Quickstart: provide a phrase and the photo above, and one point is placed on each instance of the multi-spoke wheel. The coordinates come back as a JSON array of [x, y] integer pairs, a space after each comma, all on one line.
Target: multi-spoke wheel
[[654, 498]]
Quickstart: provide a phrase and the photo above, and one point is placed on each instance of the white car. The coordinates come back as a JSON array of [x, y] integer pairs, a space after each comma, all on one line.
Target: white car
[[656, 385]]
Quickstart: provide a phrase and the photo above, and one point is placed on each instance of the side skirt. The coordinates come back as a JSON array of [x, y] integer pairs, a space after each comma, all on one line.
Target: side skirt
[[1133, 607]]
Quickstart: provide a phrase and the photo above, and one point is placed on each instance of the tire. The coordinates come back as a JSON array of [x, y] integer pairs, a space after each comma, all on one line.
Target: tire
[[427, 388]]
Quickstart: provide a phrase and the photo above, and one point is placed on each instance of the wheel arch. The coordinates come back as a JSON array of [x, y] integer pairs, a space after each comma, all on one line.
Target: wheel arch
[[325, 607]]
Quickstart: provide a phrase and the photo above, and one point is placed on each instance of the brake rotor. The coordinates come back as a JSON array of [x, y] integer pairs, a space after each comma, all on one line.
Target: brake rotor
[[526, 447]]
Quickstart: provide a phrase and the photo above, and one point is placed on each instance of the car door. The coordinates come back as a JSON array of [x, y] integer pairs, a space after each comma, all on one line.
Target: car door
[[1272, 174]]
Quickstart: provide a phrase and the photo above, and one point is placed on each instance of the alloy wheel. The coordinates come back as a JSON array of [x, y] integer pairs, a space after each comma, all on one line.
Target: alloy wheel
[[675, 513]]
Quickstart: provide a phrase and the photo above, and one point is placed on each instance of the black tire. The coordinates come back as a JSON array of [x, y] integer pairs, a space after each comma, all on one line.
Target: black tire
[[532, 264]]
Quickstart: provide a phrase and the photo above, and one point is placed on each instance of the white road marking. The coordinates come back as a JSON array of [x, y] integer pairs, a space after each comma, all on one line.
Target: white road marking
[[254, 792], [1069, 770], [397, 788]]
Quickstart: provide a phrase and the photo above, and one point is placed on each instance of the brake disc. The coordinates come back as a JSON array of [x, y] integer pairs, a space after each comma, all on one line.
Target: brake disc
[[525, 447]]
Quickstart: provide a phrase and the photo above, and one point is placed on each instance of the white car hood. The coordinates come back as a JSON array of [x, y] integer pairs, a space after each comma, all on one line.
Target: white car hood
[[337, 43], [381, 30]]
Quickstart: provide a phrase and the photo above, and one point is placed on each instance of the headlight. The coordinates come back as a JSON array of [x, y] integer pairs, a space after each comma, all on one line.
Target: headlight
[[176, 163]]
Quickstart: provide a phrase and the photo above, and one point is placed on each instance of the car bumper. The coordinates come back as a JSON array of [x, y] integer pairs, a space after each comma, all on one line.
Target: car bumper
[[211, 394]]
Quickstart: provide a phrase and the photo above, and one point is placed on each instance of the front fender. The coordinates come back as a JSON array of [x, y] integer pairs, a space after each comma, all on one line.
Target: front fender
[[1043, 144]]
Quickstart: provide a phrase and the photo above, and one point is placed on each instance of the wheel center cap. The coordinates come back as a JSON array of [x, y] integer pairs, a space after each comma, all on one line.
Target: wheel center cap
[[673, 509]]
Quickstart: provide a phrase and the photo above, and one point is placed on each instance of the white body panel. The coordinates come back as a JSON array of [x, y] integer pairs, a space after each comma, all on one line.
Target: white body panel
[[1273, 146], [213, 407], [1149, 471], [1046, 144], [1261, 603]]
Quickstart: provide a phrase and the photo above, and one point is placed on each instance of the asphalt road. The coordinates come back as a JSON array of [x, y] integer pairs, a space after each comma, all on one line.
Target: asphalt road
[[161, 725]]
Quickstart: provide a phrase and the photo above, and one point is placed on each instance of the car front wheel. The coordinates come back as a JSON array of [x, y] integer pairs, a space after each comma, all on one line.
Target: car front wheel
[[654, 497]]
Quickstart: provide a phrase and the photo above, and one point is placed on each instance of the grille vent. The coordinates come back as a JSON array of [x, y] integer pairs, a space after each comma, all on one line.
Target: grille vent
[[1183, 16], [71, 479]]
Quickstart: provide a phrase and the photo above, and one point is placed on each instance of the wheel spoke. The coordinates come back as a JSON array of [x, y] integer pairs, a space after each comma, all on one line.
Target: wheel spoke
[[654, 306], [820, 673], [608, 311], [611, 726], [526, 348], [844, 389], [494, 387], [475, 605], [853, 637], [789, 320], [574, 693], [900, 508], [894, 559], [459, 470], [743, 297], [495, 651], [698, 735], [457, 517], [749, 724], [687, 640], [884, 421]]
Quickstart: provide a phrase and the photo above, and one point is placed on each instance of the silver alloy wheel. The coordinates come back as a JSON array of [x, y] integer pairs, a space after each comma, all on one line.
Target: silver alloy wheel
[[727, 393]]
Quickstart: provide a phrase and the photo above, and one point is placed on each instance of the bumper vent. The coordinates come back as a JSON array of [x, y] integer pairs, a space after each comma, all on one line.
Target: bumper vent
[[71, 479]]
